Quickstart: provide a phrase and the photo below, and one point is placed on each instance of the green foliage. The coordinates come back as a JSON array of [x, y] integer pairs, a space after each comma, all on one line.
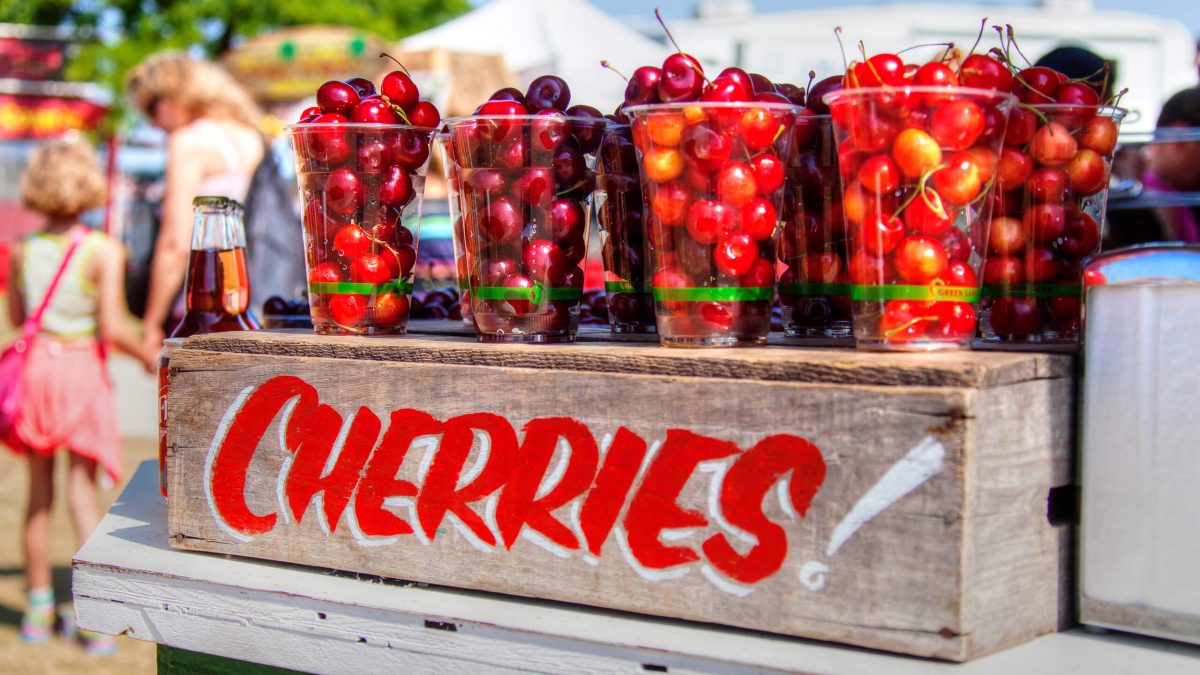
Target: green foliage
[[130, 30]]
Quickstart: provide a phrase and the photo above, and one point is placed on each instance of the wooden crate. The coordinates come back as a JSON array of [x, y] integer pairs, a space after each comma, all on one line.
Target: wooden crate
[[897, 502]]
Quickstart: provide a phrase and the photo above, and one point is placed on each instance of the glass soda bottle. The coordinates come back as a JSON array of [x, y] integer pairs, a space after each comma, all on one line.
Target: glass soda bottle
[[217, 293]]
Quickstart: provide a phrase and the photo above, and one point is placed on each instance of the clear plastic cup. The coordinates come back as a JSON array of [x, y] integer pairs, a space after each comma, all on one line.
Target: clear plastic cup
[[917, 167], [621, 212], [1051, 192], [453, 175], [361, 186], [526, 191], [712, 177], [814, 283]]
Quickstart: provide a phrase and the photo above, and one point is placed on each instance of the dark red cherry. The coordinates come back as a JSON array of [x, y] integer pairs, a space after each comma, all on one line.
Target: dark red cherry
[[498, 130], [795, 95], [362, 85], [539, 255], [512, 153], [424, 114], [566, 219], [1037, 85], [643, 86], [535, 187], [587, 134], [344, 191], [496, 271], [816, 95], [372, 155], [728, 88], [484, 182], [518, 281], [501, 220], [400, 90], [396, 189], [573, 248], [373, 110], [410, 149], [706, 147], [509, 94], [337, 97], [548, 92], [760, 84], [548, 131], [329, 145], [569, 167], [310, 113], [682, 79]]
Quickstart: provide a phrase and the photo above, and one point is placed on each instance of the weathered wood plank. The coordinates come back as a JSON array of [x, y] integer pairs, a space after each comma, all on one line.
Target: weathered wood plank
[[930, 512]]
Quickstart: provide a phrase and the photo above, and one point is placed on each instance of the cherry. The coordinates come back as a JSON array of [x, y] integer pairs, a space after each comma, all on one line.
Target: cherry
[[666, 128], [959, 273], [1022, 125], [873, 132], [396, 188], [337, 97], [735, 254], [1086, 172], [960, 181], [498, 130], [588, 134], [501, 220], [310, 113], [1083, 100], [820, 267], [372, 155], [391, 309], [736, 184], [1036, 85], [401, 260], [880, 234], [1098, 135], [643, 86], [769, 173], [759, 127], [574, 249], [521, 281], [350, 242], [400, 90], [369, 268], [566, 276], [868, 270], [329, 145], [344, 191], [957, 245], [928, 215], [373, 111], [761, 273], [920, 260], [509, 94], [957, 124], [347, 310], [425, 114], [728, 89], [1044, 222], [1006, 236], [879, 174], [916, 152], [327, 273], [877, 71], [410, 150], [705, 147], [1016, 317], [1041, 265], [568, 165], [682, 79], [566, 218], [497, 270], [709, 220], [759, 218], [816, 95], [362, 86], [539, 255], [512, 153], [1013, 168], [795, 95], [535, 187], [717, 314], [1053, 145], [669, 203], [548, 92], [1080, 235], [1048, 185], [1064, 306], [905, 320], [1003, 270], [981, 71], [935, 74], [993, 126]]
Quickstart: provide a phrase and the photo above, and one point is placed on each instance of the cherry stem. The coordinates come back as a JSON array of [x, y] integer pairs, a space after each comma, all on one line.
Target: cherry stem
[[812, 75], [1117, 100], [395, 108], [608, 65], [922, 182], [947, 45], [658, 15], [908, 324], [862, 48], [1013, 39], [1040, 115], [978, 39], [946, 54], [837, 33], [385, 55]]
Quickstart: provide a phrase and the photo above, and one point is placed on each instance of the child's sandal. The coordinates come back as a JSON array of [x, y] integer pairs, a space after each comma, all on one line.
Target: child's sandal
[[98, 644], [37, 624]]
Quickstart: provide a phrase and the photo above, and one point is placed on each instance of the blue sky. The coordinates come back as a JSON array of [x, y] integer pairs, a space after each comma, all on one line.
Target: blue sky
[[1187, 11]]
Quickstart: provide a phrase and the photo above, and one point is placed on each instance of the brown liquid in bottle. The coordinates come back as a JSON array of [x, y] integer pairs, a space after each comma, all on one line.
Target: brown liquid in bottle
[[217, 290]]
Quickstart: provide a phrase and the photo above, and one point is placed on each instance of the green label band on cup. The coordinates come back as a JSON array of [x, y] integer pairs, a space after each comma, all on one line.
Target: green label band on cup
[[1031, 290], [354, 288], [930, 292], [535, 294], [814, 289], [750, 294], [627, 287]]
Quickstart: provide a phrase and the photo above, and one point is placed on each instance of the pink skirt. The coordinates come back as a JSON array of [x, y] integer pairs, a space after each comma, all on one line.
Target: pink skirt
[[67, 401]]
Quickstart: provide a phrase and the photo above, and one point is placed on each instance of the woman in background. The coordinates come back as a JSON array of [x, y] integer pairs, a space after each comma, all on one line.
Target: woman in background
[[213, 148]]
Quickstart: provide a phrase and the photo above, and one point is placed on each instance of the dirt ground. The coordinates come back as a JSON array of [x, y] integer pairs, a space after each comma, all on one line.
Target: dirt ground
[[57, 655]]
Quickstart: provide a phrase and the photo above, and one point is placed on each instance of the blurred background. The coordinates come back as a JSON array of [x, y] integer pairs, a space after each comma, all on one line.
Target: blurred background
[[62, 64]]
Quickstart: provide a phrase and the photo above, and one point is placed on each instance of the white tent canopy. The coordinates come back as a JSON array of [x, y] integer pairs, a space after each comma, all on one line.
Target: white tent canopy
[[567, 38]]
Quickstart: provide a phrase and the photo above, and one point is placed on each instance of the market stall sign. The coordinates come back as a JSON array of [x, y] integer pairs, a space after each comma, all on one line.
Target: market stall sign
[[289, 64], [46, 116], [32, 59]]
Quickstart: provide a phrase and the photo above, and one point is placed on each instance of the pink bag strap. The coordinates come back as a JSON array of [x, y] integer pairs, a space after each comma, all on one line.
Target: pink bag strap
[[34, 323]]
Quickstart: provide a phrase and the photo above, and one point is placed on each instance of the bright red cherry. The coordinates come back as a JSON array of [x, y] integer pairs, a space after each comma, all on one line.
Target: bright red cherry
[[761, 273], [400, 90], [310, 113], [1087, 173], [1037, 85], [759, 127], [955, 320], [957, 245], [960, 274], [708, 220], [400, 260], [396, 188], [535, 187], [957, 124], [916, 152], [424, 114], [325, 273], [501, 220], [351, 242], [736, 184], [329, 145], [347, 310], [1053, 145], [1080, 236], [369, 268], [879, 70], [705, 147], [519, 281], [1048, 185], [768, 172], [498, 130], [337, 97], [1013, 168], [409, 149], [868, 270], [717, 314], [1022, 125], [539, 255], [920, 260], [373, 110], [981, 71], [391, 309], [566, 219], [1098, 135], [643, 86], [735, 254], [960, 181], [935, 74], [879, 174], [880, 234], [669, 203], [682, 79], [372, 155], [1044, 222], [344, 191], [726, 89], [759, 218], [905, 320], [928, 215]]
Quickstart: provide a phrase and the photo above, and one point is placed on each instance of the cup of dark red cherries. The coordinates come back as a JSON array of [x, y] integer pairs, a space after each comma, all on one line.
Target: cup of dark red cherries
[[917, 152], [361, 157], [621, 212], [524, 162]]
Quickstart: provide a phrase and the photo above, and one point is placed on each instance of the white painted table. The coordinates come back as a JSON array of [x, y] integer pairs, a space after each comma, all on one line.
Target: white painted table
[[126, 580]]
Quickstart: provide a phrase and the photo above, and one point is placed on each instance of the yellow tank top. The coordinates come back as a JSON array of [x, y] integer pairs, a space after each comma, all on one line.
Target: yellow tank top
[[72, 311]]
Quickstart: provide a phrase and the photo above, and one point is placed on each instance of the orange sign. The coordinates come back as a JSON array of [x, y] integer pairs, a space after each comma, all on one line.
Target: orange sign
[[45, 116]]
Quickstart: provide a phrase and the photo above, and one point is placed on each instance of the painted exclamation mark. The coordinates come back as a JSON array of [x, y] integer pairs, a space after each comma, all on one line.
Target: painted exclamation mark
[[923, 461]]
